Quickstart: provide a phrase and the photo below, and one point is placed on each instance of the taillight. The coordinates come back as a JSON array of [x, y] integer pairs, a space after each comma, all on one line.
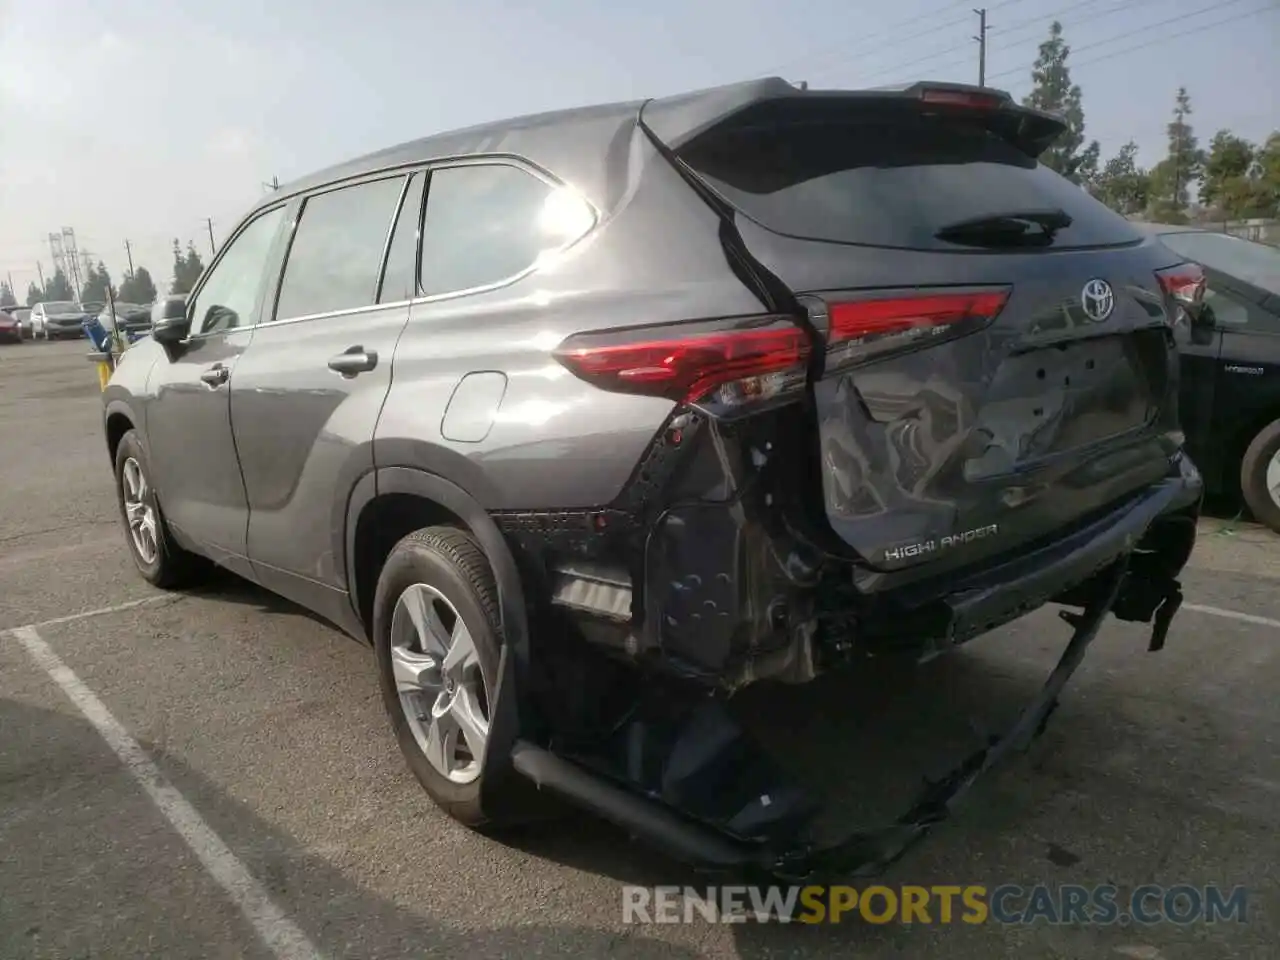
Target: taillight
[[750, 360], [874, 325], [1185, 283]]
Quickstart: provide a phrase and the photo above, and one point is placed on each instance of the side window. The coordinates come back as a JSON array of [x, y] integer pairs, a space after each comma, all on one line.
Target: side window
[[1225, 308], [229, 297], [336, 254], [398, 276], [485, 223]]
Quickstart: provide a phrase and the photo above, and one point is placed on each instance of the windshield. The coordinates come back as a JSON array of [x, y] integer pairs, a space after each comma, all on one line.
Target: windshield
[[1255, 263], [61, 306]]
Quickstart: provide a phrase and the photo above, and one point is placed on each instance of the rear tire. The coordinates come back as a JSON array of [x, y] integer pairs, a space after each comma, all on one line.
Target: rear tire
[[437, 636], [157, 556], [1260, 476]]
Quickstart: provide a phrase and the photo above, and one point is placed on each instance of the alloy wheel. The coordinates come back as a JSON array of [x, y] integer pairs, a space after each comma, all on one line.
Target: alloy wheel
[[438, 677], [140, 511]]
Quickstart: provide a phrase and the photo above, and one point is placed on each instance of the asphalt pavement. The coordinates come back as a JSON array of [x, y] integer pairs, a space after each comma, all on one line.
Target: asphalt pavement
[[210, 774]]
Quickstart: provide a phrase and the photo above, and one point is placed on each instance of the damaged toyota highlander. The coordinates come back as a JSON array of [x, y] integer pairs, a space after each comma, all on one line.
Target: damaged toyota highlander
[[584, 421]]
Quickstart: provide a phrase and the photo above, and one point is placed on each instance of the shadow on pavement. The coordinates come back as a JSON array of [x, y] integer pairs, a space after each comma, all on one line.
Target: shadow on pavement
[[88, 867]]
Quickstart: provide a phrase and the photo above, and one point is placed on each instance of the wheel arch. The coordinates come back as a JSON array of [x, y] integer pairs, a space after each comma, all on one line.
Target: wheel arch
[[1240, 444], [118, 419], [390, 502]]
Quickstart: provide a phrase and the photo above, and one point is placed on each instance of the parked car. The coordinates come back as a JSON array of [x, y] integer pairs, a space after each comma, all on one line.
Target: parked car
[[134, 317], [751, 383], [10, 328], [1231, 366], [23, 316], [57, 320]]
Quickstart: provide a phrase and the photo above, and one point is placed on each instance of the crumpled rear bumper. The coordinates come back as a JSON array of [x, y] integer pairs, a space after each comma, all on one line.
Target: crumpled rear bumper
[[679, 773]]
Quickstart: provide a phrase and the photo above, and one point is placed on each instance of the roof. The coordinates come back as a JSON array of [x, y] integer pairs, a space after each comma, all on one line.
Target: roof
[[524, 135], [555, 140]]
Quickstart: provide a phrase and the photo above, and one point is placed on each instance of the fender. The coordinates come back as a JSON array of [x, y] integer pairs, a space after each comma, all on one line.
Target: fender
[[430, 486], [119, 404]]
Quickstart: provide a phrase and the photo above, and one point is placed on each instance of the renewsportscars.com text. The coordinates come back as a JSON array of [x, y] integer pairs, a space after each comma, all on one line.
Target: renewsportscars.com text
[[1101, 904]]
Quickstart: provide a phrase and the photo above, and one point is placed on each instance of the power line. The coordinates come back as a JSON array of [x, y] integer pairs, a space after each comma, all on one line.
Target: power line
[[1184, 33], [1019, 25], [877, 40], [1181, 18]]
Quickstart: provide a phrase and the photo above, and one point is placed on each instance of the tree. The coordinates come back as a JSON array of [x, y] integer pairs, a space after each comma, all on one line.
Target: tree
[[1267, 168], [34, 294], [58, 287], [187, 268], [7, 299], [1052, 90], [1123, 185], [1230, 158], [1171, 178], [138, 287], [96, 284]]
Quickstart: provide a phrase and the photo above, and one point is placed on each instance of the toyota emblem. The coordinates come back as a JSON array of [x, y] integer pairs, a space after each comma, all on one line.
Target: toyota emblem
[[1098, 300]]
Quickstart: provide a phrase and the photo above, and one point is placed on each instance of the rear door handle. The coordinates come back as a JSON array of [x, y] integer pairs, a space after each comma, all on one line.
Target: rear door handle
[[216, 375], [354, 360]]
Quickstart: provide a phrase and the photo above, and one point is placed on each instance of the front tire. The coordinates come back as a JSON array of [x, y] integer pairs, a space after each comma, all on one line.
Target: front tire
[[157, 556], [1260, 476], [437, 638]]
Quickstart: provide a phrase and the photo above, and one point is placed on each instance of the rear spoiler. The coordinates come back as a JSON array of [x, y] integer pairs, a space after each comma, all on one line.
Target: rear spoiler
[[677, 121]]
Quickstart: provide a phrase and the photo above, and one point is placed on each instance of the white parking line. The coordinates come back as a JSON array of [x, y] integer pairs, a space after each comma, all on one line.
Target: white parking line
[[277, 931], [127, 605], [1232, 615]]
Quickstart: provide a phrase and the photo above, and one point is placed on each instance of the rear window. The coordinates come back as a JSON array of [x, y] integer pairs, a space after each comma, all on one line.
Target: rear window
[[892, 177]]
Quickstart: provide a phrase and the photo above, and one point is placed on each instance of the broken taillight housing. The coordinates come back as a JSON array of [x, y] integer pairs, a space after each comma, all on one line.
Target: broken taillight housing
[[874, 324], [1185, 284], [725, 363]]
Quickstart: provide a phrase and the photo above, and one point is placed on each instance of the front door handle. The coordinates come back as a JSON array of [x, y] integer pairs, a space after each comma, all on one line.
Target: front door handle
[[354, 360], [216, 375]]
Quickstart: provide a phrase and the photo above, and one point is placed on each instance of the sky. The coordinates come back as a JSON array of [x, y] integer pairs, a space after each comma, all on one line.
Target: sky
[[128, 119]]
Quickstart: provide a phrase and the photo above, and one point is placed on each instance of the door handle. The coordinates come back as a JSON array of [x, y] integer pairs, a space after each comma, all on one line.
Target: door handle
[[216, 375], [354, 360]]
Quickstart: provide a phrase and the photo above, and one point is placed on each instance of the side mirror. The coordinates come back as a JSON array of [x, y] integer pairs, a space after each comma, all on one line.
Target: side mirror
[[169, 321]]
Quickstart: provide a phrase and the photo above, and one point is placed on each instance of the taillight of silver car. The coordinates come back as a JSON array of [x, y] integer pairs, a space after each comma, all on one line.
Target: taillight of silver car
[[1185, 285]]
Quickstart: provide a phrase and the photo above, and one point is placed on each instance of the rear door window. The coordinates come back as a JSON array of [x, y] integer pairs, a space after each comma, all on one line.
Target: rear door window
[[335, 258], [890, 176]]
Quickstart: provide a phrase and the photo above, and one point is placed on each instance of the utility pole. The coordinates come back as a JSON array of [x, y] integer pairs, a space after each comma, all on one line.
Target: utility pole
[[9, 273], [208, 222], [40, 274], [982, 45], [128, 253]]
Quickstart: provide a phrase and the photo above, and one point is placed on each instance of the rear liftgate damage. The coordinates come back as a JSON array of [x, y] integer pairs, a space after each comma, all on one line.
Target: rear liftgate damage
[[712, 571]]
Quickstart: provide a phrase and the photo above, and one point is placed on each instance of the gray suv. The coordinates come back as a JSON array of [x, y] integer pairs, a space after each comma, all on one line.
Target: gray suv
[[586, 420]]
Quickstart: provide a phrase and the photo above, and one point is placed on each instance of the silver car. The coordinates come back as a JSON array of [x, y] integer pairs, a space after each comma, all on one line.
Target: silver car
[[57, 320]]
